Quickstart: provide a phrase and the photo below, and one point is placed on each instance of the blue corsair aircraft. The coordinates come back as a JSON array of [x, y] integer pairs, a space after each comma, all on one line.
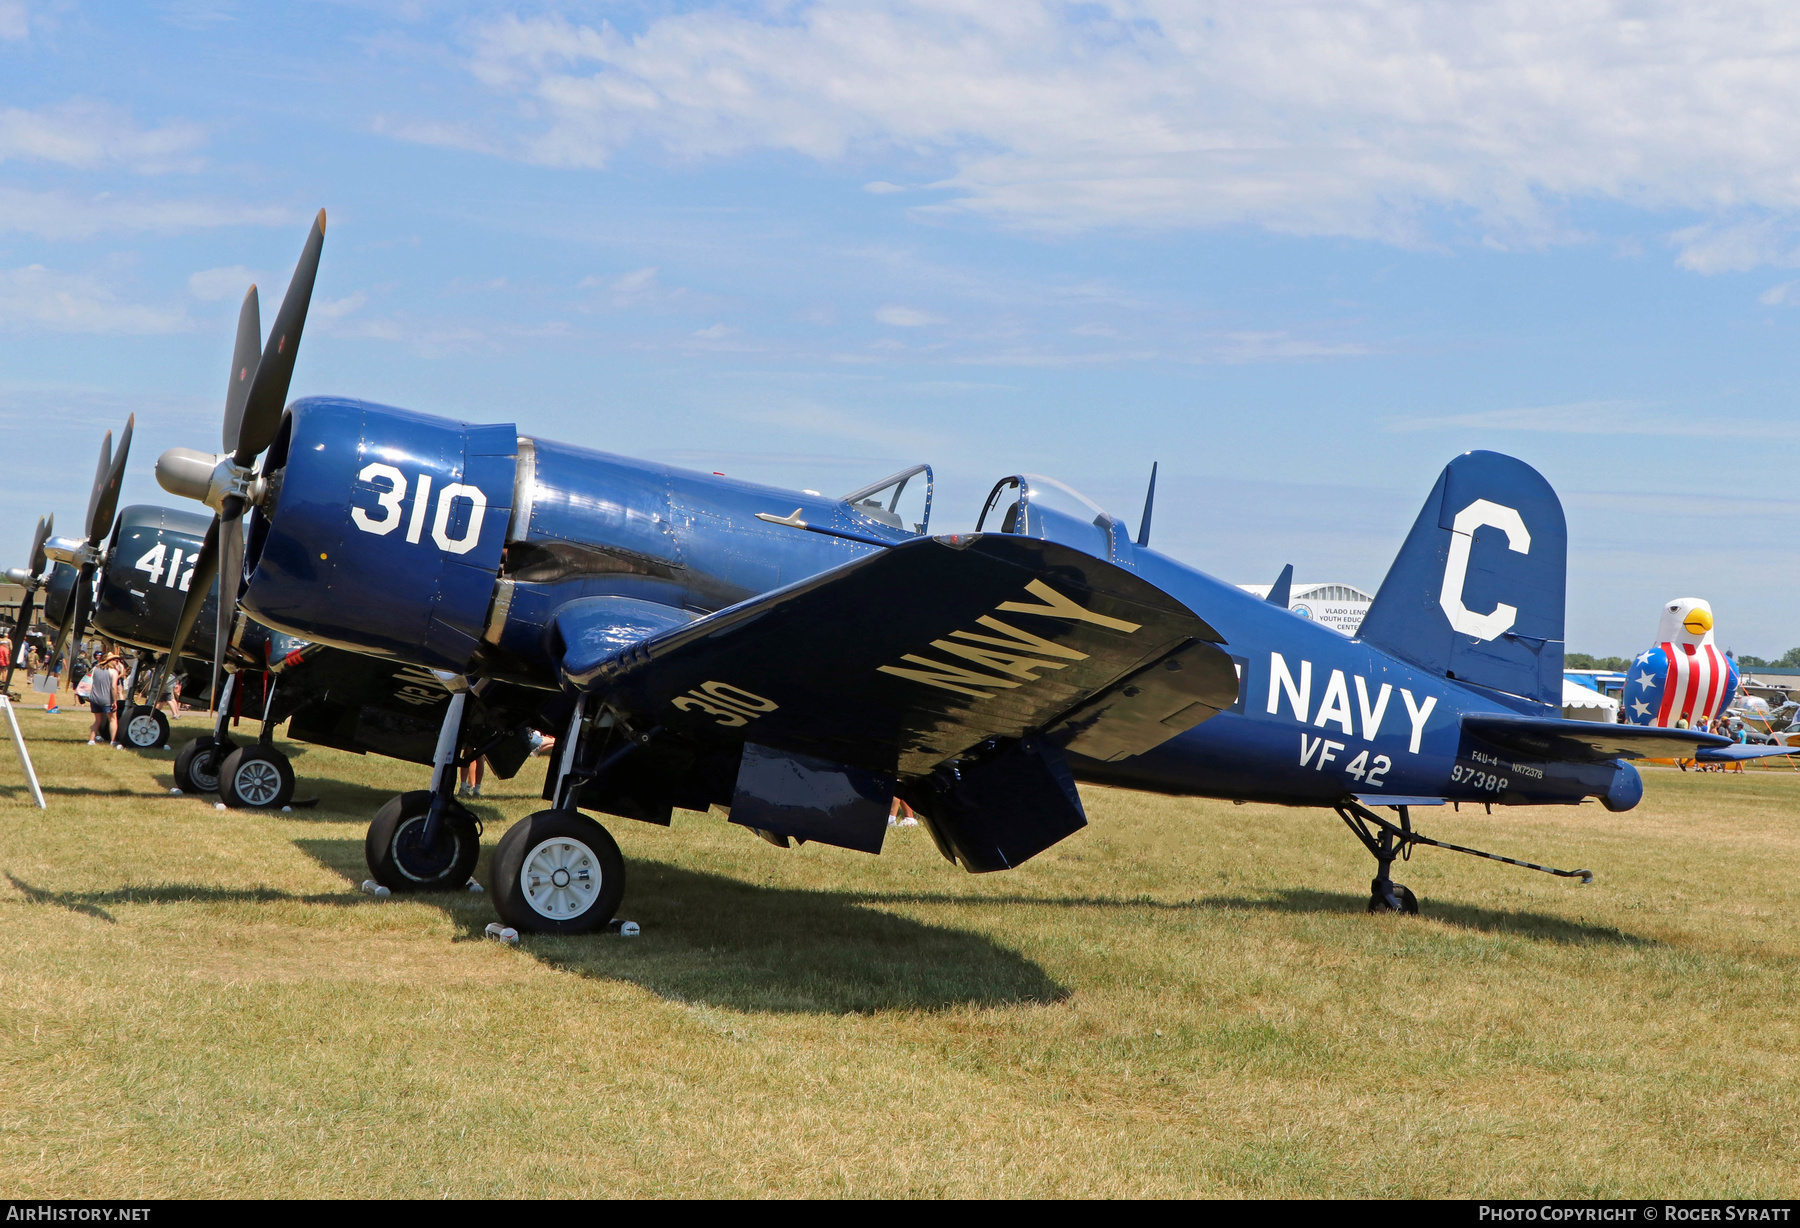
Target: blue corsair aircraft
[[694, 640]]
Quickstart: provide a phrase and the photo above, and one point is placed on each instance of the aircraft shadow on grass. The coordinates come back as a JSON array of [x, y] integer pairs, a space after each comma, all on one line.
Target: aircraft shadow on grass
[[1542, 927], [722, 942], [92, 903]]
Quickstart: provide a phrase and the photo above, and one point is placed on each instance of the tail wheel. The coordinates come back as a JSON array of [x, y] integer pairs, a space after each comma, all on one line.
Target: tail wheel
[[145, 729], [197, 764], [557, 872], [1407, 902], [400, 859], [256, 777]]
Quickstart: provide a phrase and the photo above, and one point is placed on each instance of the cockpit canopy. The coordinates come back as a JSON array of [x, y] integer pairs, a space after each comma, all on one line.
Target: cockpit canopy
[[887, 502], [1036, 506]]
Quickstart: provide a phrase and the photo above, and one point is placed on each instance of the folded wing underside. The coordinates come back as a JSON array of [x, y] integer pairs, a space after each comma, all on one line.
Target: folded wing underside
[[901, 660]]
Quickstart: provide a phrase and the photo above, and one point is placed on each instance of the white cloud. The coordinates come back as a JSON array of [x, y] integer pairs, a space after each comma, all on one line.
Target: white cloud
[[906, 317], [1323, 117], [881, 187], [15, 22], [1602, 418], [213, 285], [59, 215], [1787, 294], [1280, 347], [35, 298], [338, 308], [88, 135], [1736, 247], [714, 332]]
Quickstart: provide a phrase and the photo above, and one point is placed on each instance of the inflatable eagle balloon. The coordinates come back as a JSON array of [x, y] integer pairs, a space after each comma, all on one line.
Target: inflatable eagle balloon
[[1684, 681]]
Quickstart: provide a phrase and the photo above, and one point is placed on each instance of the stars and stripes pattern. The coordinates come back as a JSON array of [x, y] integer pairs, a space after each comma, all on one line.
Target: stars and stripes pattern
[[1672, 683]]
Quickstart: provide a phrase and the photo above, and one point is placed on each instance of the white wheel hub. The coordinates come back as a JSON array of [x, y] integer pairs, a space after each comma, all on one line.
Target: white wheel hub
[[257, 782], [141, 730], [560, 878]]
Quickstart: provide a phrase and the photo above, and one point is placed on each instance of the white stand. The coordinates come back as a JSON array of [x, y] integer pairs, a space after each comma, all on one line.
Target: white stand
[[24, 755]]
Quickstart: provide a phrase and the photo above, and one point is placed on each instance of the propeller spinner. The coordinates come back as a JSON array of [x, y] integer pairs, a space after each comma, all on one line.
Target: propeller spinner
[[255, 395]]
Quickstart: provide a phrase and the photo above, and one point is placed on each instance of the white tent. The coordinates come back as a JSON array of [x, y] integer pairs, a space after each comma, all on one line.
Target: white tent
[[1580, 703]]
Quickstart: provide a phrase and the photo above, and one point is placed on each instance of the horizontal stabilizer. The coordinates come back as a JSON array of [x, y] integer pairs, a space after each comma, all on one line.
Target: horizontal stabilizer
[[904, 658], [1738, 754], [1547, 737]]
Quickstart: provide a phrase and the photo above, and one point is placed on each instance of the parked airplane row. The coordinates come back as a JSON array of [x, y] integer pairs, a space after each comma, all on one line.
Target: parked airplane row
[[440, 591]]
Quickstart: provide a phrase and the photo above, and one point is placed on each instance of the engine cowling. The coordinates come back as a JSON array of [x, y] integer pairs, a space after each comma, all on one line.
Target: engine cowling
[[381, 530]]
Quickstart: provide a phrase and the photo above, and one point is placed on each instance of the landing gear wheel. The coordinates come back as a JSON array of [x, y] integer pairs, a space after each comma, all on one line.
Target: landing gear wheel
[[256, 777], [1402, 901], [397, 853], [144, 729], [557, 872], [197, 764]]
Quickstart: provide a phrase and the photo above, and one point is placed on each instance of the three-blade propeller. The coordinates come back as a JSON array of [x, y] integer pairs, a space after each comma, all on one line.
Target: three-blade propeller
[[31, 581], [255, 396], [103, 501]]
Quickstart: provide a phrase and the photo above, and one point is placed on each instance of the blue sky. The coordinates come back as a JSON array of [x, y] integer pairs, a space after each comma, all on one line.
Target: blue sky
[[1301, 254]]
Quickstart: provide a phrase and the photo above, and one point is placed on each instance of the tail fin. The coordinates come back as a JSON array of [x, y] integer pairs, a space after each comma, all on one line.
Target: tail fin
[[1281, 592], [1477, 591]]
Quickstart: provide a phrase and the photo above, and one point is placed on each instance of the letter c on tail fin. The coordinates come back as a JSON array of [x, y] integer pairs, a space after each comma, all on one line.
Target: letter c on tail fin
[[1456, 568]]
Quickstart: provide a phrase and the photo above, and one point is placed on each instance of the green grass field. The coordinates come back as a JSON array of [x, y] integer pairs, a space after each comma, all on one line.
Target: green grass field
[[1186, 998]]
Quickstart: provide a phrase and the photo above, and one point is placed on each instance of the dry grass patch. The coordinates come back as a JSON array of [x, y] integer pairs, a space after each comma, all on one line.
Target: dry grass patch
[[1186, 998]]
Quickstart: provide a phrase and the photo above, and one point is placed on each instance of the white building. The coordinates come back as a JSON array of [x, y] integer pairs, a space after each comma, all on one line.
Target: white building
[[1338, 606]]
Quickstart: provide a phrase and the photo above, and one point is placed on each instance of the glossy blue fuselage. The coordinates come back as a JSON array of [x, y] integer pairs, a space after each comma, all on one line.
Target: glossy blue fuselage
[[467, 578]]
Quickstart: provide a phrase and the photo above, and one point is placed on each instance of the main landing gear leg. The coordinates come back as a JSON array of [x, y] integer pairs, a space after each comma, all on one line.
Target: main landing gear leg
[[426, 840], [197, 766], [258, 776], [558, 871], [1385, 841]]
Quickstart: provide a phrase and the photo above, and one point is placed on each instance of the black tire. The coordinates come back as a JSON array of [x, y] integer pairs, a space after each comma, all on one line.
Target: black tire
[[197, 764], [397, 854], [541, 847], [144, 729], [1409, 903], [256, 777]]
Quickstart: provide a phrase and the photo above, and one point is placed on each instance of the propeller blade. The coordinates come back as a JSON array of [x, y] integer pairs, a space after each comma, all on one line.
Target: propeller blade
[[268, 389], [206, 566], [68, 635], [101, 473], [84, 600], [38, 558], [231, 576], [101, 515], [18, 636], [245, 356]]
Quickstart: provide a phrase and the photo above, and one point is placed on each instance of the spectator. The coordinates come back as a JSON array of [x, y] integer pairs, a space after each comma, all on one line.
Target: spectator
[[470, 784], [52, 683], [102, 699]]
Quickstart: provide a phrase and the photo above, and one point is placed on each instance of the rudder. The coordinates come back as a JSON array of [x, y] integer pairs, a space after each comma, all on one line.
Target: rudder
[[1477, 590]]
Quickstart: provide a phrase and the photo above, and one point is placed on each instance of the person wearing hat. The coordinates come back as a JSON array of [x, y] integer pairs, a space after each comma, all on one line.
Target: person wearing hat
[[102, 699]]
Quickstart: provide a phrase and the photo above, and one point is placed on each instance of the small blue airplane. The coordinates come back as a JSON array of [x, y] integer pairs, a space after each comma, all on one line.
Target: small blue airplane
[[694, 640]]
